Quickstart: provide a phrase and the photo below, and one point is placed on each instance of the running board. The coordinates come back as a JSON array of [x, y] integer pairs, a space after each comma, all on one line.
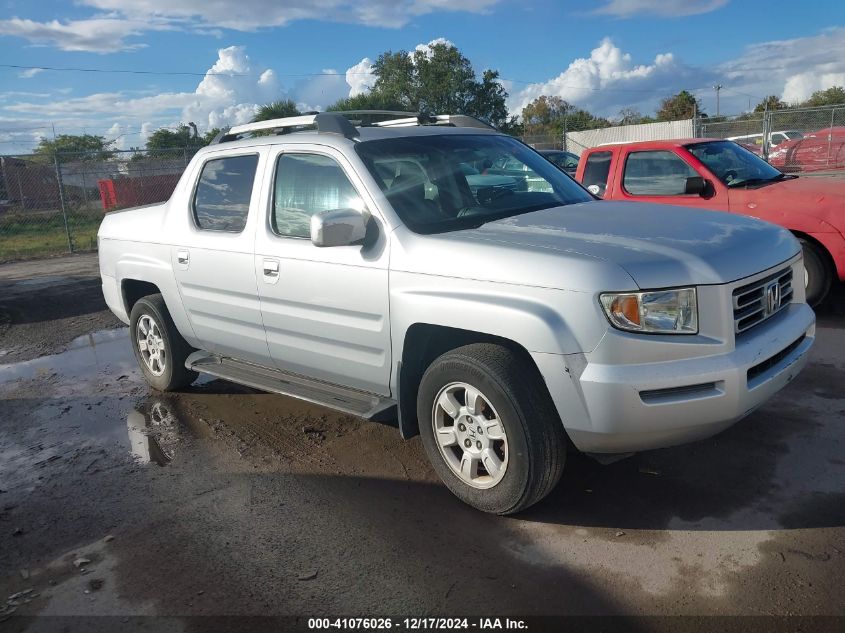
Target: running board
[[361, 403]]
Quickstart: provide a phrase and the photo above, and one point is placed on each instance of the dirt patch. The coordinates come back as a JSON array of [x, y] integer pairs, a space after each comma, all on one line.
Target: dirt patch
[[46, 304]]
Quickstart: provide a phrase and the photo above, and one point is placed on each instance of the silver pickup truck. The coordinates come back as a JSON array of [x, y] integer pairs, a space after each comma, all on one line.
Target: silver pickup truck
[[355, 267]]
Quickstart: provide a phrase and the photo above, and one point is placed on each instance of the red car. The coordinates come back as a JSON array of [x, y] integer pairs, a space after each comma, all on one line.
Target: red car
[[822, 150], [722, 176]]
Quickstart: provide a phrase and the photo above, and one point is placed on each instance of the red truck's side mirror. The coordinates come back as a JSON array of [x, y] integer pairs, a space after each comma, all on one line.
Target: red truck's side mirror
[[695, 186]]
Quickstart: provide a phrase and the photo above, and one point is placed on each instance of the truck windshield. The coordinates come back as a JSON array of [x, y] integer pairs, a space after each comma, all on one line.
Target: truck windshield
[[734, 165], [451, 182]]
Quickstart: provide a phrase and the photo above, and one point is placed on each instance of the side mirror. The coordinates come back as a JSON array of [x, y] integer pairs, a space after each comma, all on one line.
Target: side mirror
[[339, 227], [695, 186], [596, 190]]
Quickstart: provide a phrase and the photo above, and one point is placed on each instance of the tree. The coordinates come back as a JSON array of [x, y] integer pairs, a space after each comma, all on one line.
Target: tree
[[680, 106], [165, 141], [771, 102], [74, 147], [543, 112], [276, 110], [551, 116], [632, 116], [439, 80], [834, 95], [365, 101]]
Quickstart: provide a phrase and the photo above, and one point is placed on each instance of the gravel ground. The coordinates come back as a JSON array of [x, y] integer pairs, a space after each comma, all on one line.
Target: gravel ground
[[223, 501]]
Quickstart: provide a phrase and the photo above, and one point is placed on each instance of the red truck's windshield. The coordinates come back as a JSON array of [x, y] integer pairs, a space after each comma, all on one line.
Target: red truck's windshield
[[735, 166]]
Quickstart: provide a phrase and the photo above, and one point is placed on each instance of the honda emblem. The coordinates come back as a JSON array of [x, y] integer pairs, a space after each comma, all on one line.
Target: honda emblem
[[772, 297]]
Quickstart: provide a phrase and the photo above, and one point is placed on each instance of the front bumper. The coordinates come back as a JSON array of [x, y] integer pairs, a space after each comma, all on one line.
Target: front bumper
[[619, 408]]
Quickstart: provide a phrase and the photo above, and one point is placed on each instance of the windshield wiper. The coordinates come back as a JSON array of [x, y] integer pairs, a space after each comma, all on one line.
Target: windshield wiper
[[756, 181]]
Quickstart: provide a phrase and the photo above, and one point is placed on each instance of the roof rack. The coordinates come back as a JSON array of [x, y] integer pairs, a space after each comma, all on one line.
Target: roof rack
[[454, 120], [337, 123], [326, 122]]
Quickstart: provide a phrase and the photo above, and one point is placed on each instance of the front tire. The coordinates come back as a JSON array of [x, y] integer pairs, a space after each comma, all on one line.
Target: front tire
[[818, 278], [159, 348], [490, 429]]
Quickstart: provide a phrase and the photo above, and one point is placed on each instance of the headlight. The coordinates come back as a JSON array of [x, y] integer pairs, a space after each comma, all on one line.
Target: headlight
[[658, 312]]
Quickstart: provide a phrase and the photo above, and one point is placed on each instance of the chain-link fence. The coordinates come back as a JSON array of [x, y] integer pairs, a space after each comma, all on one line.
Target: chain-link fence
[[544, 141], [795, 140], [53, 204]]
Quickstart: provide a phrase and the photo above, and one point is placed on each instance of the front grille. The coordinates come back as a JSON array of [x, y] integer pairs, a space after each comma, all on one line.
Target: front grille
[[758, 301]]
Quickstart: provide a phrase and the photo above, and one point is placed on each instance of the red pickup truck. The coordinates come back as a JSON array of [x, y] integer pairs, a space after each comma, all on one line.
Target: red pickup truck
[[722, 176]]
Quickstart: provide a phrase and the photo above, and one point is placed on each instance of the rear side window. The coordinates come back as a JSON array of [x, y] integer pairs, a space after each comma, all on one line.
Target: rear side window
[[221, 201], [656, 173], [307, 184], [596, 171]]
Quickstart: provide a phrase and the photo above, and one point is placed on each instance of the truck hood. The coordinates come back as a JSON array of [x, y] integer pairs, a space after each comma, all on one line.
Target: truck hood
[[584, 246], [822, 198]]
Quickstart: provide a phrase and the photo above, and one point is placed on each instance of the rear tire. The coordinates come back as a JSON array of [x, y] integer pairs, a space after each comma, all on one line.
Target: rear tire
[[502, 447], [159, 348], [817, 281]]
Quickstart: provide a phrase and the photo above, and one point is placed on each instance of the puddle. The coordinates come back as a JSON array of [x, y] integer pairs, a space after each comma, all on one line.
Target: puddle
[[85, 357], [86, 409]]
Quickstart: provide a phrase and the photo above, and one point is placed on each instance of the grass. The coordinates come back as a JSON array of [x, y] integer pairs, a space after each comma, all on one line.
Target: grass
[[42, 234]]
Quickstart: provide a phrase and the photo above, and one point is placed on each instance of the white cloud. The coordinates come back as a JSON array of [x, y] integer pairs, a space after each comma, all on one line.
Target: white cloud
[[793, 68], [799, 87], [118, 134], [99, 35], [218, 100], [256, 14], [120, 20], [29, 73], [426, 48], [320, 91], [606, 81], [360, 77], [663, 8]]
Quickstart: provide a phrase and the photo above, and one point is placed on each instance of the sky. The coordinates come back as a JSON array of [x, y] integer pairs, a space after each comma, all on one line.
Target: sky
[[212, 62]]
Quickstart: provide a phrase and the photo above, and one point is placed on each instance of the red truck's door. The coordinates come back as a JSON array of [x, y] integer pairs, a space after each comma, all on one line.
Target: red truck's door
[[662, 176]]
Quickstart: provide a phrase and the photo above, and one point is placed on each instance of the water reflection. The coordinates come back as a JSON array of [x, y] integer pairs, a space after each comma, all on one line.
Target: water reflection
[[153, 434], [85, 356]]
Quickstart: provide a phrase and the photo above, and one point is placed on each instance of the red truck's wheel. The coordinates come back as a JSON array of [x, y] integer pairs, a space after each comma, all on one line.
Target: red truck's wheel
[[817, 279]]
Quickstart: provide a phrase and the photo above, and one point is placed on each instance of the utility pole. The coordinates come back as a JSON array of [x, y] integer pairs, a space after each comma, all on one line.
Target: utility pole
[[717, 88]]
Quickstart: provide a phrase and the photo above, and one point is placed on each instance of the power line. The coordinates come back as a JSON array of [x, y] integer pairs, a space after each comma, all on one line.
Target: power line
[[129, 71], [316, 74]]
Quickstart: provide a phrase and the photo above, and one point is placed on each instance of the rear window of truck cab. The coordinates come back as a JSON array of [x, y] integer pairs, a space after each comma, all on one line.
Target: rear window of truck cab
[[223, 193]]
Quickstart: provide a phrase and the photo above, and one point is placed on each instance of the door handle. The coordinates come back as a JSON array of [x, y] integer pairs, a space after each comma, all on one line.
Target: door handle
[[183, 257], [271, 268]]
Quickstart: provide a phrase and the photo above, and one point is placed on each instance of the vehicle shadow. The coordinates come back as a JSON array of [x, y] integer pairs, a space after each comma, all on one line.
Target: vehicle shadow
[[831, 313], [39, 303], [781, 467]]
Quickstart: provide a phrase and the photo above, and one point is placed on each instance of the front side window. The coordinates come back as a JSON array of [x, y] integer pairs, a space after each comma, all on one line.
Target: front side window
[[734, 165], [656, 173], [450, 182], [221, 200], [307, 184]]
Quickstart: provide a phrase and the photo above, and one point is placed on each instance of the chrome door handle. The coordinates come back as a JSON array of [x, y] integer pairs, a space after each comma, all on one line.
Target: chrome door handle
[[271, 268], [183, 257]]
